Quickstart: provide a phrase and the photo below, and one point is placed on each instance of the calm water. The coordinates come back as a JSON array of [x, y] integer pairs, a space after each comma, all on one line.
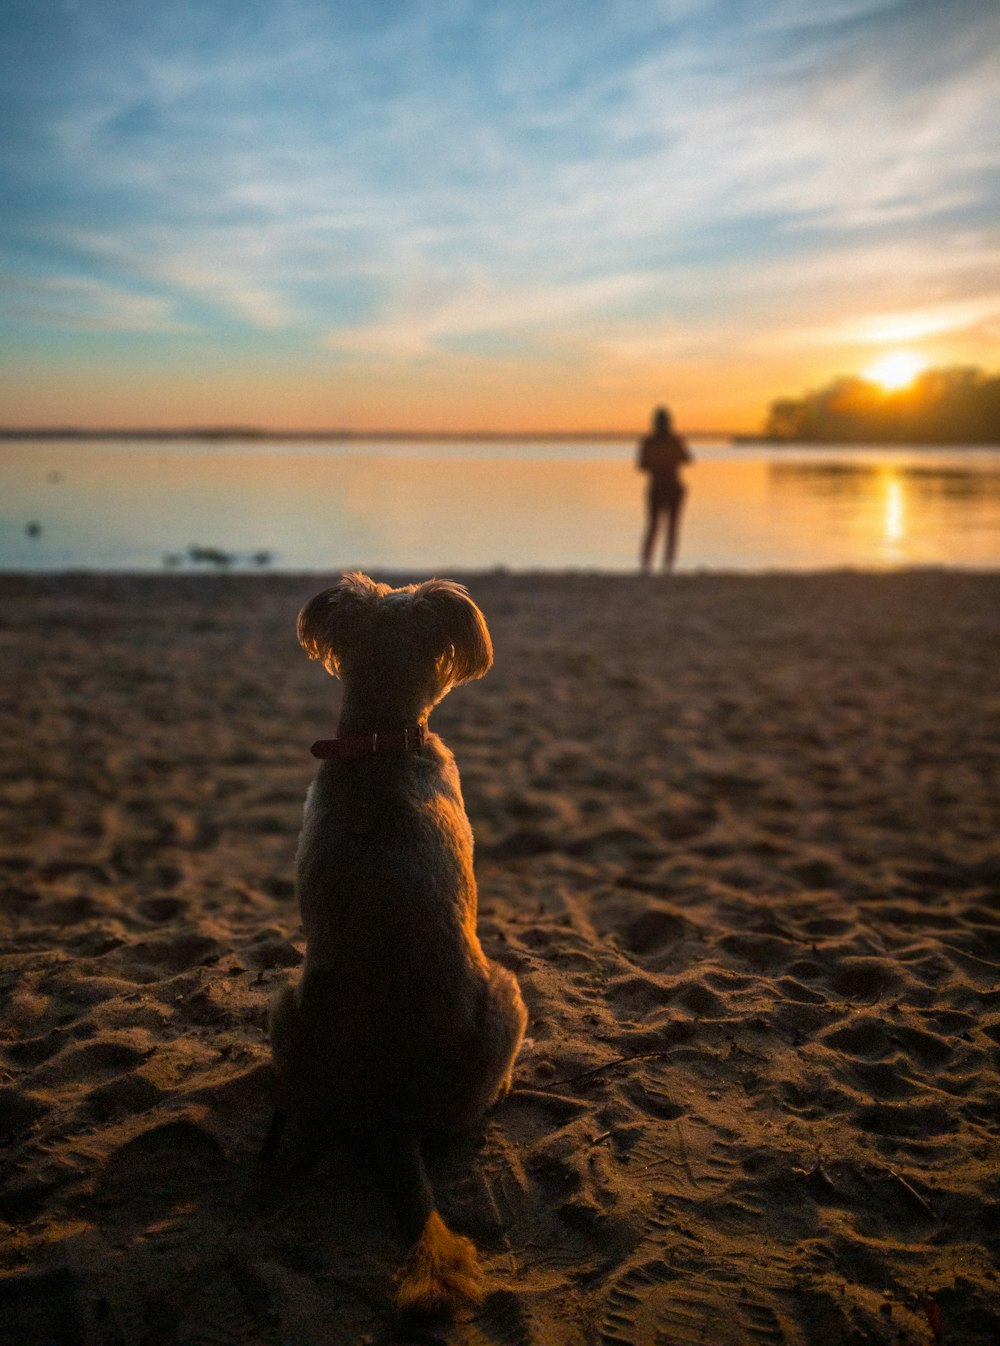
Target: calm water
[[471, 506]]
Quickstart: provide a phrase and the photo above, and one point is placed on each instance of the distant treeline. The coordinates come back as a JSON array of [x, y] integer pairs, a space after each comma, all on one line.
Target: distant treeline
[[236, 432], [941, 406]]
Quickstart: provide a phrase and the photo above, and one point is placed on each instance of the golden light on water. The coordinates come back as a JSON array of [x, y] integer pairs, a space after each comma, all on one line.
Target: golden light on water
[[894, 517], [895, 370]]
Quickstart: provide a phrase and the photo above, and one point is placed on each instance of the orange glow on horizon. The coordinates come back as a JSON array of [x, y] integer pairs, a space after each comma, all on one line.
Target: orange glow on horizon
[[310, 394]]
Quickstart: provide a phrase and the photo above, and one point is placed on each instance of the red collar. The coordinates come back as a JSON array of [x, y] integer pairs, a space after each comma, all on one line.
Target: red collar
[[364, 745]]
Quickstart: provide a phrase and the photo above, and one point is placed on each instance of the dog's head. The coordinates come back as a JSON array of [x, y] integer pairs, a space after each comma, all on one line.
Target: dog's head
[[429, 636]]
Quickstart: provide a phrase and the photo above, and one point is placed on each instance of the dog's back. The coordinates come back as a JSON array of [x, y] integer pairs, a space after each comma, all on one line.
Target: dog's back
[[399, 1028], [386, 886]]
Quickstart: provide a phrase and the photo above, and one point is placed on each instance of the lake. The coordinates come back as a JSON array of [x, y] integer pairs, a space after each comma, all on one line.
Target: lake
[[386, 505]]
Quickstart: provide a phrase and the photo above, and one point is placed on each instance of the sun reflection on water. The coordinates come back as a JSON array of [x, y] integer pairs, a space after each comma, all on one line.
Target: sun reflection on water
[[894, 517]]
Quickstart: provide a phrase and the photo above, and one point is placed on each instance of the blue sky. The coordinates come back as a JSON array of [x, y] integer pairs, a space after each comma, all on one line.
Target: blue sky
[[434, 212]]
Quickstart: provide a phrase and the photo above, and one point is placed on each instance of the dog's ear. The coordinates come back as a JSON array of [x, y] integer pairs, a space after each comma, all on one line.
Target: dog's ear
[[329, 623], [457, 630]]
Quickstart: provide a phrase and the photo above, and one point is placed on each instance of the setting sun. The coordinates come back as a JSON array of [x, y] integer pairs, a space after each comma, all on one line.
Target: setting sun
[[895, 370]]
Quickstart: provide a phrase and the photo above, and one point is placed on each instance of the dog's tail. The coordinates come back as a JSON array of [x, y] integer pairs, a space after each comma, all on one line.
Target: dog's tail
[[441, 1272]]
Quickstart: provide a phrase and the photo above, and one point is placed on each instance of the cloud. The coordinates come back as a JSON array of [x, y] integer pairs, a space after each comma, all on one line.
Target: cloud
[[833, 126], [478, 306], [86, 304], [229, 269], [949, 317], [870, 292]]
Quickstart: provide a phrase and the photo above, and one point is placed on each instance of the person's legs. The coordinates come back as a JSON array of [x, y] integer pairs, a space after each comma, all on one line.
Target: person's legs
[[673, 530], [652, 528]]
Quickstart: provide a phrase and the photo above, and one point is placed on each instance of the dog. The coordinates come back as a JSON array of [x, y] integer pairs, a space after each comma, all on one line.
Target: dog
[[400, 1030]]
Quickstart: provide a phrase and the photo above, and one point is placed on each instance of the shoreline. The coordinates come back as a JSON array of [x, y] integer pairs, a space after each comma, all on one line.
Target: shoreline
[[245, 571], [251, 434]]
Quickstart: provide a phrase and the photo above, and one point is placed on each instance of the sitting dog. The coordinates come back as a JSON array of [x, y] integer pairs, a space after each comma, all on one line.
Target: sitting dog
[[400, 1030]]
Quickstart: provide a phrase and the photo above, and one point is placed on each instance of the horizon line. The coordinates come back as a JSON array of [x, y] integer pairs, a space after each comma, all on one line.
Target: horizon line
[[336, 432]]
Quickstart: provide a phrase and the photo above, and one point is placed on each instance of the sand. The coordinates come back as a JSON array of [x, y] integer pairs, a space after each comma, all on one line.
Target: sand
[[737, 838]]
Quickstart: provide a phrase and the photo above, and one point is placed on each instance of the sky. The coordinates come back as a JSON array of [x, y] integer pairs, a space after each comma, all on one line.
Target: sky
[[488, 214]]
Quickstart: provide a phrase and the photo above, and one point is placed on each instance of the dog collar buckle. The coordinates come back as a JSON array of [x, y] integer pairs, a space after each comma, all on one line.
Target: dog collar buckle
[[414, 737], [367, 745]]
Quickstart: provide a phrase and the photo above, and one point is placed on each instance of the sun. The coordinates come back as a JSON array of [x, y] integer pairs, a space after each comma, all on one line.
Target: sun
[[895, 370]]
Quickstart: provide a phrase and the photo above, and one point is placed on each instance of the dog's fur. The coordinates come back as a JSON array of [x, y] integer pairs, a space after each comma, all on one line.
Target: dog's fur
[[400, 1029]]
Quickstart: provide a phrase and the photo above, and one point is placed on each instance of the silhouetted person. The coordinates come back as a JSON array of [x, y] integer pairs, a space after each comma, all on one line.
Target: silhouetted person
[[661, 454]]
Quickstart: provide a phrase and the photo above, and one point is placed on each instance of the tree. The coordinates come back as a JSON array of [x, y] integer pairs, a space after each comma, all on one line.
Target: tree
[[959, 405]]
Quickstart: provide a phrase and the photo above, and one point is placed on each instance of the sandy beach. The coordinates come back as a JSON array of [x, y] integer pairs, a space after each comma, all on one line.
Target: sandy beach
[[737, 837]]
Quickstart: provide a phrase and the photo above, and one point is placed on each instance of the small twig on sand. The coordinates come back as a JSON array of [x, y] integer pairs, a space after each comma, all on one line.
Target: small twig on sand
[[921, 1201], [596, 1070]]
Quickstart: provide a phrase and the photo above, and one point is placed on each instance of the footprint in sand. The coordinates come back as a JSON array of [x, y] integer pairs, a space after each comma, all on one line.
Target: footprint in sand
[[763, 953], [123, 1097], [914, 1121], [864, 978], [634, 996], [160, 909], [654, 930], [179, 952], [863, 1036], [85, 1062], [30, 1052], [170, 1162], [659, 1303], [653, 1102], [883, 1080]]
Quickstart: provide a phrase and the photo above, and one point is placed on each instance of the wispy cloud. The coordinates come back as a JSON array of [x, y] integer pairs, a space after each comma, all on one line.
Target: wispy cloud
[[971, 316], [228, 268], [80, 302], [480, 306]]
